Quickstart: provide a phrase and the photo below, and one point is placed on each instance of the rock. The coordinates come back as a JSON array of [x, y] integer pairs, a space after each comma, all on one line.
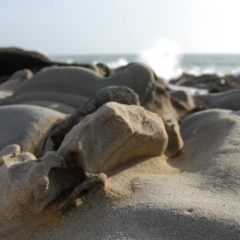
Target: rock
[[122, 95], [9, 152], [234, 80], [28, 185], [83, 82], [22, 74], [185, 98], [26, 126], [60, 107], [104, 69], [53, 83], [14, 59], [61, 98], [175, 142], [4, 94], [15, 80], [211, 82], [33, 191], [159, 101], [226, 100], [185, 104], [113, 135], [202, 196]]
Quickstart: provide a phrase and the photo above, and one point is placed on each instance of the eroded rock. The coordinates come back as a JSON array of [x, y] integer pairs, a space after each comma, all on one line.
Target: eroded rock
[[175, 142], [28, 185], [26, 126], [32, 190], [113, 135], [122, 95]]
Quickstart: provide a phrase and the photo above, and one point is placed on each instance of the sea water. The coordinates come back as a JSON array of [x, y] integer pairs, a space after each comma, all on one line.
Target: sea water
[[167, 65]]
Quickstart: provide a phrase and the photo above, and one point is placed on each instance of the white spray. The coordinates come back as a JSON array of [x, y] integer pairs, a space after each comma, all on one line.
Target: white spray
[[163, 56]]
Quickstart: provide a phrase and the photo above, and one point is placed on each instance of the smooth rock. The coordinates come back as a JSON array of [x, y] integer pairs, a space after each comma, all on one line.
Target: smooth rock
[[16, 80], [225, 100], [26, 126], [54, 82]]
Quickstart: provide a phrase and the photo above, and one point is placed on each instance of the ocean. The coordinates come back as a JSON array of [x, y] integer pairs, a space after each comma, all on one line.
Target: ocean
[[167, 65]]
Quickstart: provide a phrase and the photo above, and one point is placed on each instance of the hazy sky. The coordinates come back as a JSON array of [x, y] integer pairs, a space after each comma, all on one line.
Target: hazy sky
[[120, 26]]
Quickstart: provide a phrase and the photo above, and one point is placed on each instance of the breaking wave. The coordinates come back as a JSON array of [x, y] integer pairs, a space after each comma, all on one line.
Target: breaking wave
[[164, 57], [114, 64]]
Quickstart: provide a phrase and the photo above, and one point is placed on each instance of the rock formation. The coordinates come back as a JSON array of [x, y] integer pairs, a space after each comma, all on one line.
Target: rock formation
[[211, 82], [122, 95], [26, 126], [116, 155], [13, 59], [72, 86], [16, 80], [114, 135], [225, 100]]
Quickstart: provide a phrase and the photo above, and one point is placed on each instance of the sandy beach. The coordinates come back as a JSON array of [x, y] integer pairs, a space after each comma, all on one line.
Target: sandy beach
[[93, 152]]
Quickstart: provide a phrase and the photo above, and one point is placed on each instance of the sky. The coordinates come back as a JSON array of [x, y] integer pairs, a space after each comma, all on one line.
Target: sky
[[120, 26]]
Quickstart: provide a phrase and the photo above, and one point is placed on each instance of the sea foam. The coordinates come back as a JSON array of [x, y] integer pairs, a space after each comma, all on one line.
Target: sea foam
[[163, 56], [113, 64]]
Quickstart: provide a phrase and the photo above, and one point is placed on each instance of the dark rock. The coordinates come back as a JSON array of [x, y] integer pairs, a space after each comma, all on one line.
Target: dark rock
[[104, 69], [13, 59], [211, 82]]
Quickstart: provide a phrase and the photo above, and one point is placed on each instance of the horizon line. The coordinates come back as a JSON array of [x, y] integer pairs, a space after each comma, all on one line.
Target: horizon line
[[183, 53]]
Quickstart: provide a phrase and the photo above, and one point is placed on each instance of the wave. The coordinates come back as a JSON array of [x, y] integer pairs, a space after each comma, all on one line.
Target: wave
[[69, 61], [167, 60], [163, 56], [118, 63], [235, 72], [114, 64]]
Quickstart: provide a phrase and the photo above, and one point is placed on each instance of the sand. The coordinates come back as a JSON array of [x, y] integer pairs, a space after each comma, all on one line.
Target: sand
[[195, 196], [147, 193]]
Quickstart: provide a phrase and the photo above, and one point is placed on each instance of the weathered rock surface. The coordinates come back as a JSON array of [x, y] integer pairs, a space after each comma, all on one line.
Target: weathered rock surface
[[26, 126], [188, 205], [175, 142], [141, 170], [202, 202], [28, 186], [113, 135], [122, 95], [33, 191]]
